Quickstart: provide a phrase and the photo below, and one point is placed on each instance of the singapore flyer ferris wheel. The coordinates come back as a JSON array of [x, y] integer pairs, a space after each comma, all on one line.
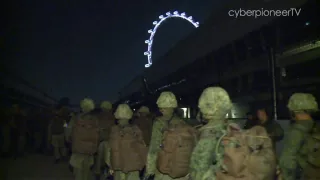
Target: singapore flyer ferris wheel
[[156, 24]]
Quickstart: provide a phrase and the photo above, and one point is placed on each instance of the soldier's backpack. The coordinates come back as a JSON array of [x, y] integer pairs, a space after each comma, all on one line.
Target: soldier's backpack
[[176, 149], [106, 121], [85, 134], [57, 125], [246, 155], [311, 148], [128, 149]]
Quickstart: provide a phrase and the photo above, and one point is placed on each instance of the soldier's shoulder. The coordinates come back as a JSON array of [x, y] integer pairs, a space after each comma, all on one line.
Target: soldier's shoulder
[[178, 120], [158, 121], [114, 127], [303, 127], [207, 131]]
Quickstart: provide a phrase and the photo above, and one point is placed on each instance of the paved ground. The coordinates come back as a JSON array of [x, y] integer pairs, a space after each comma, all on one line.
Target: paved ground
[[37, 167]]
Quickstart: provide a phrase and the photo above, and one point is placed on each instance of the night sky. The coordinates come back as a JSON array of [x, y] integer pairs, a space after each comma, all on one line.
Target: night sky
[[80, 49]]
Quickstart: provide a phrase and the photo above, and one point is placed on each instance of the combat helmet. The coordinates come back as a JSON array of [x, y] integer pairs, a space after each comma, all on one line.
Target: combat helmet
[[167, 100], [87, 105], [302, 102], [106, 105], [214, 102], [144, 109], [123, 111]]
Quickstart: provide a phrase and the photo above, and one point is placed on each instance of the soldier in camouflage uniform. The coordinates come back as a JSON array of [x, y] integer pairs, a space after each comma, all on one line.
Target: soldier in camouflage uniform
[[123, 114], [167, 103], [144, 121], [56, 131], [214, 104], [106, 119], [301, 105], [273, 128], [82, 163]]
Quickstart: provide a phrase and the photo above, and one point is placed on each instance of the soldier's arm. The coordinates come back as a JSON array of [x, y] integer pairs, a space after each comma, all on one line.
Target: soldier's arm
[[69, 129], [107, 153], [203, 155], [278, 132], [288, 159], [154, 147], [107, 148]]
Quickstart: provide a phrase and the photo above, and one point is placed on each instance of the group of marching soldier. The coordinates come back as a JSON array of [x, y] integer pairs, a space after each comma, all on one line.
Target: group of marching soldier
[[132, 146], [166, 147]]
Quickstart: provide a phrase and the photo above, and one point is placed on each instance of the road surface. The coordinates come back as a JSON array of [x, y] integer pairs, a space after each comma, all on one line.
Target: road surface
[[36, 167]]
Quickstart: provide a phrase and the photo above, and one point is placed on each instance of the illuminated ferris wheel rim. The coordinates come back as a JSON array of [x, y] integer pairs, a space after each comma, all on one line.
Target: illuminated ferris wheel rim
[[156, 24]]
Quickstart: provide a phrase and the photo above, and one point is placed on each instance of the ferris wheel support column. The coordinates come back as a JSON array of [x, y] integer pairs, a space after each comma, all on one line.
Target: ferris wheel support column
[[156, 24]]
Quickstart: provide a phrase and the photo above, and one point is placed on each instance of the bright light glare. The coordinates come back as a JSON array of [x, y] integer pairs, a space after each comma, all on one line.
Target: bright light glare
[[185, 110], [156, 24]]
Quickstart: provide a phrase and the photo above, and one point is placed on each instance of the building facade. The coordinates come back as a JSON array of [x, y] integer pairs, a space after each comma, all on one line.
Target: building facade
[[264, 65]]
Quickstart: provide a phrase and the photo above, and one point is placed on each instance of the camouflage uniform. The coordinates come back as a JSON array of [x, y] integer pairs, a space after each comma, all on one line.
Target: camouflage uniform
[[274, 129], [123, 114], [167, 103], [144, 122], [299, 103], [82, 163], [68, 129], [106, 106], [214, 104], [57, 138]]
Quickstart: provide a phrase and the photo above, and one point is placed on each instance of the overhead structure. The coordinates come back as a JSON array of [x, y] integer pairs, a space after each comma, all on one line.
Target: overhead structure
[[156, 24]]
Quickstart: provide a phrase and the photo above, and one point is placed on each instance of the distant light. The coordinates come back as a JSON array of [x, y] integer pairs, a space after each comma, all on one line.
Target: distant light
[[307, 23], [156, 24], [185, 110]]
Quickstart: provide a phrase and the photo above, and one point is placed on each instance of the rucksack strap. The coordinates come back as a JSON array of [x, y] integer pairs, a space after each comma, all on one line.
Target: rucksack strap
[[169, 121], [219, 156]]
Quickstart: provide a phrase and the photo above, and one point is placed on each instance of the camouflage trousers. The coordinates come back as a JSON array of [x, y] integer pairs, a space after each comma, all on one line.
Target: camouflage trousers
[[100, 158], [58, 146], [118, 175], [82, 166]]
